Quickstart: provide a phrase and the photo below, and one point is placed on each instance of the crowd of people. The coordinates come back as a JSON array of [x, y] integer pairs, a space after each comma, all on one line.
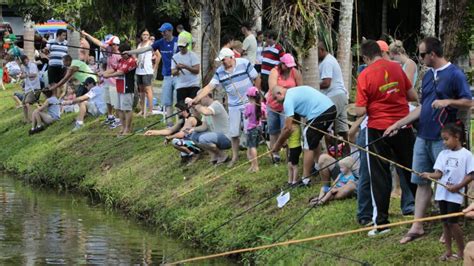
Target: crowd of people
[[265, 99]]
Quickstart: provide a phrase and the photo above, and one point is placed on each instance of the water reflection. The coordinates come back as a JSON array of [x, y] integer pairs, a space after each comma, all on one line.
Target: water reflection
[[42, 227]]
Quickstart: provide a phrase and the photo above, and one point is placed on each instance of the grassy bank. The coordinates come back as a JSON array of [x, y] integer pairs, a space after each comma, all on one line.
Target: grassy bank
[[143, 177]]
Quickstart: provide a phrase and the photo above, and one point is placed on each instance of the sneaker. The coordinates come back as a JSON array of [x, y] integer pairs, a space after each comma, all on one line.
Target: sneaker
[[306, 181], [193, 159], [377, 232], [276, 159], [115, 124], [185, 159], [169, 124], [39, 129], [77, 127], [366, 222], [109, 121]]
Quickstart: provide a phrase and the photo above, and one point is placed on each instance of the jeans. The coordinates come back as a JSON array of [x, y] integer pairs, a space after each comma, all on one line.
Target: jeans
[[364, 198]]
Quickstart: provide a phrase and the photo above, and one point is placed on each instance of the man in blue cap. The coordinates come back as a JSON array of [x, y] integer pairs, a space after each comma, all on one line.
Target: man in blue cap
[[167, 46]]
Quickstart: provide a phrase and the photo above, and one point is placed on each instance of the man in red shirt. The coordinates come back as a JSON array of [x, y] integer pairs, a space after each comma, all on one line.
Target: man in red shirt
[[383, 92], [125, 74]]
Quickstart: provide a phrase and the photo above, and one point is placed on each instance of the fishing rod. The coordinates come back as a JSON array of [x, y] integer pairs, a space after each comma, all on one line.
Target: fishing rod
[[319, 237], [151, 125], [100, 49], [287, 186]]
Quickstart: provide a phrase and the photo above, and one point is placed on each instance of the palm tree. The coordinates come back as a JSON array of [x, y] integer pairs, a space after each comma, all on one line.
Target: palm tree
[[344, 41], [298, 21], [257, 6], [452, 15], [29, 34], [196, 28], [428, 14]]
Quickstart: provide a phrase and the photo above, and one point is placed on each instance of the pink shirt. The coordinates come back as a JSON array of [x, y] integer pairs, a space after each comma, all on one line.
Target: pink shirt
[[288, 83], [251, 115]]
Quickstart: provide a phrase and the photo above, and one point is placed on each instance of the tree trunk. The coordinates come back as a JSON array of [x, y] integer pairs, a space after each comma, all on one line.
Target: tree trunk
[[452, 15], [74, 40], [29, 34], [428, 14], [383, 35], [310, 69], [344, 41], [196, 30], [257, 14], [211, 23]]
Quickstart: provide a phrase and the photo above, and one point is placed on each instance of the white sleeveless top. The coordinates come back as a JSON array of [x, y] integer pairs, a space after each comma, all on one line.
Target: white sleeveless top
[[145, 65]]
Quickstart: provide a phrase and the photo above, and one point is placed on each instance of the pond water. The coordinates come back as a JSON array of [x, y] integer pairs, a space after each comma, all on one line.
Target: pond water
[[41, 226]]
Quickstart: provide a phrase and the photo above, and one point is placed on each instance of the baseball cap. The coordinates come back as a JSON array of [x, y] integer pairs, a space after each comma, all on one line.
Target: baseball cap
[[181, 106], [166, 26], [225, 52], [113, 40], [252, 91], [383, 45], [288, 60], [182, 41], [89, 80]]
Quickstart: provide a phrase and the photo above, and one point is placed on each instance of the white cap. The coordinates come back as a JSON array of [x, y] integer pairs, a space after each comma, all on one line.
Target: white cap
[[182, 41], [225, 52], [113, 40]]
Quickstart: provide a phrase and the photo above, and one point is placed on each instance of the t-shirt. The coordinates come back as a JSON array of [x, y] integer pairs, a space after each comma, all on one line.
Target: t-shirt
[[187, 79], [57, 51], [96, 97], [167, 50], [13, 68], [237, 81], [31, 83], [219, 121], [128, 67], [330, 68], [288, 83], [84, 69], [112, 64], [344, 179], [250, 47], [271, 57], [448, 82], [250, 114], [305, 101], [144, 61], [54, 109], [294, 141], [454, 165], [382, 88], [189, 37]]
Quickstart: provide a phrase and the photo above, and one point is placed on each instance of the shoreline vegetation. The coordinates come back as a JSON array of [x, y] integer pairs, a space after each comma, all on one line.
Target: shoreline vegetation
[[143, 177]]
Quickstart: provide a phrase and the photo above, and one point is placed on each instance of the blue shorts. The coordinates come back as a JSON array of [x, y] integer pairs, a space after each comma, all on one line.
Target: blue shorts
[[275, 122], [425, 153], [221, 141], [167, 91]]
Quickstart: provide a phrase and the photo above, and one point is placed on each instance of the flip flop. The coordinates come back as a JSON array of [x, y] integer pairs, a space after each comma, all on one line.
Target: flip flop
[[411, 237], [445, 257], [455, 257], [227, 159]]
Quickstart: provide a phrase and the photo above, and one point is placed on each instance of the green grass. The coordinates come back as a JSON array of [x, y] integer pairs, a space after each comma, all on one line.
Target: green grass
[[142, 177]]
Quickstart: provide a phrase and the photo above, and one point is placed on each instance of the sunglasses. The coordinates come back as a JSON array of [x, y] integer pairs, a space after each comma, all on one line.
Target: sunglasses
[[422, 55]]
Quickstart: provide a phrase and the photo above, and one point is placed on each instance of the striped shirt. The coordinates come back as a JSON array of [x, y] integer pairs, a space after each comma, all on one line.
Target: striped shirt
[[57, 51], [237, 81], [271, 57]]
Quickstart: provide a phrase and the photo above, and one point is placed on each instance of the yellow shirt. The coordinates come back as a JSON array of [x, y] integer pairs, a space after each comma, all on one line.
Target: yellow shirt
[[294, 141]]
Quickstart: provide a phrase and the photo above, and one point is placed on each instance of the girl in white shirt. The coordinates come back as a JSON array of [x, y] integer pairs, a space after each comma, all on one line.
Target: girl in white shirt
[[454, 168]]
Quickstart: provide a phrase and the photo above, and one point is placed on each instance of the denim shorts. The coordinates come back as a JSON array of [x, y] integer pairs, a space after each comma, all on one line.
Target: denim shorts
[[167, 91], [425, 153], [221, 141], [275, 122]]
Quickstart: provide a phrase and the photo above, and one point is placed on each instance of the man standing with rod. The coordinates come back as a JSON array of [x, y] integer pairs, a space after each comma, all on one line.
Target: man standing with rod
[[235, 76]]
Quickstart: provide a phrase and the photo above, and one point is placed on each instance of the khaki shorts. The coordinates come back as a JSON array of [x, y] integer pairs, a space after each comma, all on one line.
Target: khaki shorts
[[31, 97], [110, 95], [340, 124], [125, 102]]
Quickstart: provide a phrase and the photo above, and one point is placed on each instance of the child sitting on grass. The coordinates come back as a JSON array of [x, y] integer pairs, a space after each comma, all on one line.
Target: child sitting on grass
[[294, 151], [345, 184], [46, 114], [254, 112], [454, 168], [70, 96]]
